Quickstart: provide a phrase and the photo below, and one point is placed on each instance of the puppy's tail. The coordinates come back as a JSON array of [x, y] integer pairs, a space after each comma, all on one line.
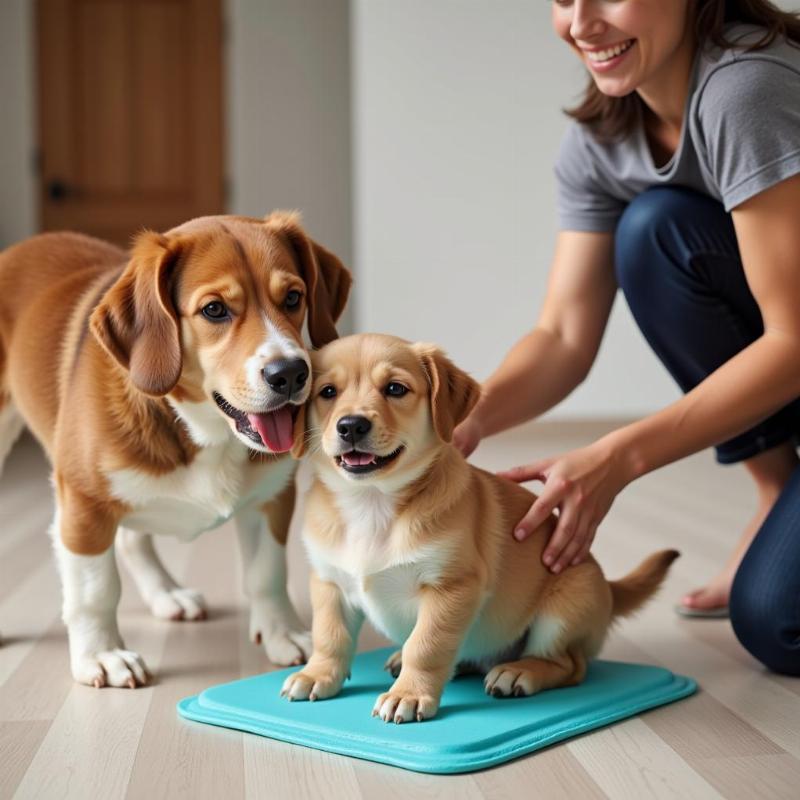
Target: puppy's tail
[[631, 592]]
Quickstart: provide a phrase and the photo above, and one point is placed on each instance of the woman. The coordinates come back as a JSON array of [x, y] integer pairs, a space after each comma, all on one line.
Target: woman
[[679, 182]]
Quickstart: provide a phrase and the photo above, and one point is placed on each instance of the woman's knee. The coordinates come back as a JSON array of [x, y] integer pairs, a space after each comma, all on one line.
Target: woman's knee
[[764, 619], [644, 235]]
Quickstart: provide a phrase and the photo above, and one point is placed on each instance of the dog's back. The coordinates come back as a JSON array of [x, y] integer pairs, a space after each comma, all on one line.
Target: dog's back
[[42, 279]]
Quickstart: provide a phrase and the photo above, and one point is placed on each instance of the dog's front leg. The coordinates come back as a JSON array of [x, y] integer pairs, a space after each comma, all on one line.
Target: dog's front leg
[[273, 619], [428, 656], [83, 540], [335, 628]]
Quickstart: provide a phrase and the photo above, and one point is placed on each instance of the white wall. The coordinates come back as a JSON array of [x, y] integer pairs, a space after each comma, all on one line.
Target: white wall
[[288, 91], [456, 125]]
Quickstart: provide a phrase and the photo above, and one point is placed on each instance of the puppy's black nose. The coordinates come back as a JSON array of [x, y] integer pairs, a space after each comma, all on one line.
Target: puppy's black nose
[[286, 377], [352, 429]]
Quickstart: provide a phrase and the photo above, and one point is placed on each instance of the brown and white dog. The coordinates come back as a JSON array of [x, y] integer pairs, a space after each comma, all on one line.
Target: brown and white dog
[[163, 384], [400, 529]]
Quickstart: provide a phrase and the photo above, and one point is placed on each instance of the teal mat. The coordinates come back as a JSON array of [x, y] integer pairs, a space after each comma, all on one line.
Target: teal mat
[[471, 730]]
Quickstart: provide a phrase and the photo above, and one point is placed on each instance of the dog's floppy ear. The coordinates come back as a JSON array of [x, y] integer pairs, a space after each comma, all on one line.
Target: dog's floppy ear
[[136, 321], [454, 393], [299, 432], [327, 279]]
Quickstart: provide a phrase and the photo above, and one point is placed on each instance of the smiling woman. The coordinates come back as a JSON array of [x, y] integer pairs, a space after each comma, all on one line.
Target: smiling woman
[[678, 182]]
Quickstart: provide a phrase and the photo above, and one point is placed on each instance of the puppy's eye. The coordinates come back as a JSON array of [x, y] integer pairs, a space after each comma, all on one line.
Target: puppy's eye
[[395, 389], [327, 392], [292, 301], [216, 311]]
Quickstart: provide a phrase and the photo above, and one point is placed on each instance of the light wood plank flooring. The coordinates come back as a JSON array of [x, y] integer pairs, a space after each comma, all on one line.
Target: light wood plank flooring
[[737, 738]]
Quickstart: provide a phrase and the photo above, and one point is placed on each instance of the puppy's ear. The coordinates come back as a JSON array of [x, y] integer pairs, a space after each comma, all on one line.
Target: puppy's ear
[[327, 279], [454, 393], [299, 432], [136, 321]]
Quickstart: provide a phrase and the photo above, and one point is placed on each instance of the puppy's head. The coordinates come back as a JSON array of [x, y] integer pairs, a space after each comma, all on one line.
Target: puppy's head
[[381, 407], [212, 313]]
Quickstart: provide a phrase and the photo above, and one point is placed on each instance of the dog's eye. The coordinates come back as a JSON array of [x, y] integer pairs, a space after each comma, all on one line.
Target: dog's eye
[[395, 389], [327, 392], [292, 301], [216, 311]]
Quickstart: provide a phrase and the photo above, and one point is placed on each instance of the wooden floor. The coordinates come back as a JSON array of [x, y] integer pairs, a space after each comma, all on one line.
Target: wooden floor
[[739, 737]]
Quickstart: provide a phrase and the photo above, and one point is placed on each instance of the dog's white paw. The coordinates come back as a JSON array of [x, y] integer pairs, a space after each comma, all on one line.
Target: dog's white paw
[[178, 604], [405, 703], [277, 627], [115, 667], [309, 684]]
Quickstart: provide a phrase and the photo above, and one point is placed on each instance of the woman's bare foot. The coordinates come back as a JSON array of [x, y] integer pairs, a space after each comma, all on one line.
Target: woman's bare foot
[[770, 470]]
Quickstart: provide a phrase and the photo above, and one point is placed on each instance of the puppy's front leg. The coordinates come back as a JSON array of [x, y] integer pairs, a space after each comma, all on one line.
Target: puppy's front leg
[[83, 536], [335, 628], [428, 656], [273, 619]]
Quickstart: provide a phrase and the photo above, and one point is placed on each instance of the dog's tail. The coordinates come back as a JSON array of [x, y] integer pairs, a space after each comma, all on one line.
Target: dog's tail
[[631, 592]]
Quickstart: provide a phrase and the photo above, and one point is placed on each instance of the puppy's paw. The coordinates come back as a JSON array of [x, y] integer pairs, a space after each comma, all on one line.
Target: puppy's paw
[[178, 604], [401, 704], [116, 667], [311, 684], [394, 663], [507, 680], [277, 627]]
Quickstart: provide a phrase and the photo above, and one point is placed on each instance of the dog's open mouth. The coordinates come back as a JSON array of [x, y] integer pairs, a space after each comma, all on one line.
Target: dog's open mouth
[[271, 429], [359, 463]]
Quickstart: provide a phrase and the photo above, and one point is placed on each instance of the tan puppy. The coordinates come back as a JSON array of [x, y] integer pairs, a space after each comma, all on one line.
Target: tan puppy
[[401, 529], [163, 384]]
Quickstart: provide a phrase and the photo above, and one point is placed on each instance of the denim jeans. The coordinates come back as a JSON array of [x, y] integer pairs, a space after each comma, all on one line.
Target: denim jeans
[[678, 265]]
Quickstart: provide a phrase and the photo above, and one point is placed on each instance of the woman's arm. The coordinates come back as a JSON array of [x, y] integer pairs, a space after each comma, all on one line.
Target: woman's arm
[[749, 387], [545, 365]]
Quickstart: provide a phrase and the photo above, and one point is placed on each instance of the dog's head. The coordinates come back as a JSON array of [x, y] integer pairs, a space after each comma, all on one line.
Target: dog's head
[[380, 408], [212, 313]]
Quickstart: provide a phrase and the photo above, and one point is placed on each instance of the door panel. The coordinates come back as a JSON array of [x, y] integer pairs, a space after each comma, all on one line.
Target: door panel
[[130, 114]]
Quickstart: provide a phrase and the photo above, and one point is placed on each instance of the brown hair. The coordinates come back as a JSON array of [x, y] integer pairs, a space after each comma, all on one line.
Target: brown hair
[[615, 117]]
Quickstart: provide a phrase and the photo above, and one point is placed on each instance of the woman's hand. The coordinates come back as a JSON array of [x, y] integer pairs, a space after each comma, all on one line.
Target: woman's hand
[[582, 485], [467, 436]]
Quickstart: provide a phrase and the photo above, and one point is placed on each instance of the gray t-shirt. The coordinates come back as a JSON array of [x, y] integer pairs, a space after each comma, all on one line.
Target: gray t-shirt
[[741, 135]]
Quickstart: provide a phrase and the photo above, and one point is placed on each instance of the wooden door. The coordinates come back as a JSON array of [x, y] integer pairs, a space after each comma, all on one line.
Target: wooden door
[[130, 114]]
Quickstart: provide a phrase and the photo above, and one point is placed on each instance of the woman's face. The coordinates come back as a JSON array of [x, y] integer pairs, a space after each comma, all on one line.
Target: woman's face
[[624, 43]]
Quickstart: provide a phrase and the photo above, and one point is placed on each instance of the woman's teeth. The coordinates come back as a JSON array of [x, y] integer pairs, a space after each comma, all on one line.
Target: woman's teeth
[[605, 55]]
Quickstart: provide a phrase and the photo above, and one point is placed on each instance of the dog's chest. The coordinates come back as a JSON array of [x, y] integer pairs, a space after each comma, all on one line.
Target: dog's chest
[[221, 480], [375, 569]]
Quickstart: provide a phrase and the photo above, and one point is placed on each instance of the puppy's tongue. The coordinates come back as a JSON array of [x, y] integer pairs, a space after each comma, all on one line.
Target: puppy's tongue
[[275, 429], [354, 459]]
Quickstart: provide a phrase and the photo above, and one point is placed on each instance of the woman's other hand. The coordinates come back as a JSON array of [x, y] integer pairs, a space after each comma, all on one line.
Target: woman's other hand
[[582, 485]]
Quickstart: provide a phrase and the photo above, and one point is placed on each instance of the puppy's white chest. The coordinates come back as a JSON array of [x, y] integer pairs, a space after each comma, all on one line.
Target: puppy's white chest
[[373, 568], [202, 495]]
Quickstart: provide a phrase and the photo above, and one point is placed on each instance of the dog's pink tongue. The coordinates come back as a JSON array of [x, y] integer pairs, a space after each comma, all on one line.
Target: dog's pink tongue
[[275, 429]]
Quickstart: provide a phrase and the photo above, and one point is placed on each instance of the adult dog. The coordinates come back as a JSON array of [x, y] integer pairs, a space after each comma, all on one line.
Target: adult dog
[[163, 384]]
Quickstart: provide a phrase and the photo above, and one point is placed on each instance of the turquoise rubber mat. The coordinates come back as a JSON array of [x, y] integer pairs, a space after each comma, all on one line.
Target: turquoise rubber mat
[[471, 731]]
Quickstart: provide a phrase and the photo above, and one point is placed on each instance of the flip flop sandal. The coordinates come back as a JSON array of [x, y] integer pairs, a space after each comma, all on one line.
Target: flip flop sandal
[[720, 612]]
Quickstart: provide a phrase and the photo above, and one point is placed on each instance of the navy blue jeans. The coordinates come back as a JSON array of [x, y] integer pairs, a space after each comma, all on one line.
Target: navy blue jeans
[[678, 265]]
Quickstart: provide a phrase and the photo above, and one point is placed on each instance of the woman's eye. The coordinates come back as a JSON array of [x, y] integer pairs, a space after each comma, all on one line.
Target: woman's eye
[[215, 311], [327, 392], [395, 389], [293, 299]]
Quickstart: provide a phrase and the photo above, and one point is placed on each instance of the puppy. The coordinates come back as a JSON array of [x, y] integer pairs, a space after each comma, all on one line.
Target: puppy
[[399, 528], [163, 384]]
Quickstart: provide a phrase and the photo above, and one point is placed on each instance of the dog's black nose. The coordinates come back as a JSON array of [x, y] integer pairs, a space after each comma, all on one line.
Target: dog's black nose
[[286, 377], [352, 429]]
